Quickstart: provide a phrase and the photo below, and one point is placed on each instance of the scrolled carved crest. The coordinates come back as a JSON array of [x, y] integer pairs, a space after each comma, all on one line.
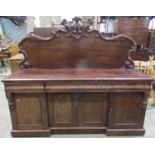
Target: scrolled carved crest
[[77, 29]]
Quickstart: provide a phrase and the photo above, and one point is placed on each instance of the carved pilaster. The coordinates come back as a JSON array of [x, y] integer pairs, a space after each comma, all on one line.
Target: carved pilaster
[[11, 103]]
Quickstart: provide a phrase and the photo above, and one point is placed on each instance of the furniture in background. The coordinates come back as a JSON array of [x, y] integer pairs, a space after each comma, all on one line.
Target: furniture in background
[[15, 62], [13, 49], [4, 56], [77, 81], [152, 41], [138, 30], [152, 52]]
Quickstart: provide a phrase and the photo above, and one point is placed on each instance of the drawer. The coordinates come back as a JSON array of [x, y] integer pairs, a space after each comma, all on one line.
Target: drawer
[[76, 86], [95, 86], [24, 86]]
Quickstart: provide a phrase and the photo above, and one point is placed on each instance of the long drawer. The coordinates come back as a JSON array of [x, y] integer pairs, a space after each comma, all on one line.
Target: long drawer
[[96, 86]]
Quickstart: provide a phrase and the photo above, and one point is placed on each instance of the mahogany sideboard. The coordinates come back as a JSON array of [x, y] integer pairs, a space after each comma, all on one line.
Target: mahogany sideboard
[[77, 81]]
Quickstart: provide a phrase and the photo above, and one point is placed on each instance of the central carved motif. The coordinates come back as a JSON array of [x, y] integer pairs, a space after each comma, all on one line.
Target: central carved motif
[[77, 28]]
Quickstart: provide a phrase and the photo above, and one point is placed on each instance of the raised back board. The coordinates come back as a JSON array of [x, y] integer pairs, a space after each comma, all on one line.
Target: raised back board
[[76, 47]]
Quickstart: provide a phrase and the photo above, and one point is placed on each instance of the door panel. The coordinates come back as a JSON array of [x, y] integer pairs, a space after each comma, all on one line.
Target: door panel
[[61, 109], [30, 111], [93, 109], [125, 110]]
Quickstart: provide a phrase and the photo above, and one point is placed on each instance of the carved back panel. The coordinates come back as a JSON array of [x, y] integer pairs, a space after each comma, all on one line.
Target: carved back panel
[[77, 47]]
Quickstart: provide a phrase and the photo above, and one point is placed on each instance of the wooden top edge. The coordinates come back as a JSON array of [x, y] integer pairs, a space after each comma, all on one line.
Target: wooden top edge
[[77, 75]]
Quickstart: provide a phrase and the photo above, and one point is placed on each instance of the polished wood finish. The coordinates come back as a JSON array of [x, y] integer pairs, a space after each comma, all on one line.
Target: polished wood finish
[[88, 52], [61, 110], [93, 108], [78, 101], [77, 81], [84, 48], [28, 111], [130, 111]]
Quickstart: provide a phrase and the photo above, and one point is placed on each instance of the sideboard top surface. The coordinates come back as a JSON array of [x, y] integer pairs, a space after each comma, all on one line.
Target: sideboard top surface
[[72, 74]]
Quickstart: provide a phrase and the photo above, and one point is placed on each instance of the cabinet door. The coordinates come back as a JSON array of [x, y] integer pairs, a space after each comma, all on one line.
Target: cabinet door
[[30, 111], [93, 109], [62, 112], [126, 110]]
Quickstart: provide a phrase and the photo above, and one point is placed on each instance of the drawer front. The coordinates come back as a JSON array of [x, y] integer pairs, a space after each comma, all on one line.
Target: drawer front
[[76, 86], [96, 86], [26, 87]]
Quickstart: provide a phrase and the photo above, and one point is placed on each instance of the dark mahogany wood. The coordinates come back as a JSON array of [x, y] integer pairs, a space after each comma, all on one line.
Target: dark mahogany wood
[[77, 81], [87, 52], [77, 46]]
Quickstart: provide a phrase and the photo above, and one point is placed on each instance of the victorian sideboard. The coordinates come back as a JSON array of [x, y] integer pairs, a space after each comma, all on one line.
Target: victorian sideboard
[[77, 81]]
